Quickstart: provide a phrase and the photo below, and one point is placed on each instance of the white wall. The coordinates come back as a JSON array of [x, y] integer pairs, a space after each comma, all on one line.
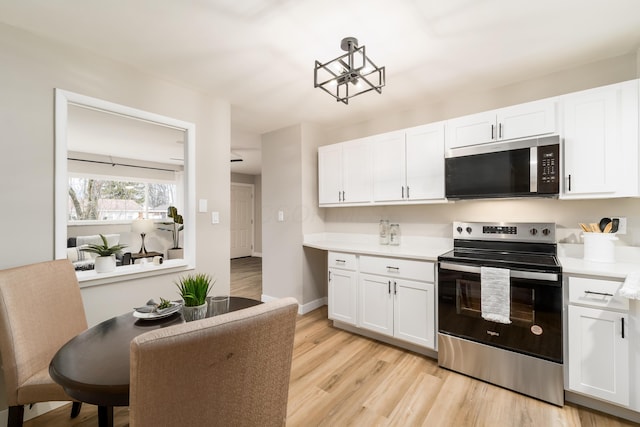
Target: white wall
[[31, 68], [289, 170]]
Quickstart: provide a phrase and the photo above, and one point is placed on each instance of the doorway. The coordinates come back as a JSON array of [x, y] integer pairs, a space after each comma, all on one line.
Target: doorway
[[242, 214]]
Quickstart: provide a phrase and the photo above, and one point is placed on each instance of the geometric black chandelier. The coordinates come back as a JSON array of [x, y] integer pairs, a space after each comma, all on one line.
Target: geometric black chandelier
[[350, 74]]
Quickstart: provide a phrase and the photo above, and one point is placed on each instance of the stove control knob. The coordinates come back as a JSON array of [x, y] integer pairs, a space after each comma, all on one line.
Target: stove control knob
[[459, 230], [533, 231], [546, 231], [469, 230]]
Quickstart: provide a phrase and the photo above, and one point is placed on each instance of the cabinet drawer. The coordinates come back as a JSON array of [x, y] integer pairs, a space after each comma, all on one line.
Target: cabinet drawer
[[396, 267], [342, 261], [596, 293]]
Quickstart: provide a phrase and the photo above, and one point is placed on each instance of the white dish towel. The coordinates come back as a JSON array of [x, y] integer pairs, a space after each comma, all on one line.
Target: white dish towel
[[631, 286], [495, 296]]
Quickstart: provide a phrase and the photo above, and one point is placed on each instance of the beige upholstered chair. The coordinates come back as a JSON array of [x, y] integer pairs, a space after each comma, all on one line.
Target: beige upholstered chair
[[40, 310], [228, 370]]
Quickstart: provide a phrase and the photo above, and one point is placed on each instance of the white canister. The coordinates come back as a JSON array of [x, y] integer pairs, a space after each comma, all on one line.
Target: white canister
[[599, 247]]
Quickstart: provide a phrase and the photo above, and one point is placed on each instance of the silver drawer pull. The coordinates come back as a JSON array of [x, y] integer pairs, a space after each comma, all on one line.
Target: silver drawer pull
[[604, 294], [341, 261], [393, 268]]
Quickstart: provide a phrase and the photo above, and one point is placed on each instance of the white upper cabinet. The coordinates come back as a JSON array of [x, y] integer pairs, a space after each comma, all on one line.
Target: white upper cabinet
[[601, 142], [518, 121], [344, 173], [408, 165]]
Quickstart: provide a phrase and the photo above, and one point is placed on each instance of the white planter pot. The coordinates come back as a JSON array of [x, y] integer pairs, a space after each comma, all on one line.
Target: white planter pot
[[105, 264], [194, 313], [175, 253]]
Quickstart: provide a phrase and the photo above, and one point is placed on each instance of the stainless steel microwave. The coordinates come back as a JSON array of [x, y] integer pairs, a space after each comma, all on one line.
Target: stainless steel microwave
[[520, 168]]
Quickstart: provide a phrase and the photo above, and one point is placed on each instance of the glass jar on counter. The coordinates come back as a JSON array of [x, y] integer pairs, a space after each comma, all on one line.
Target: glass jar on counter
[[394, 234], [384, 232]]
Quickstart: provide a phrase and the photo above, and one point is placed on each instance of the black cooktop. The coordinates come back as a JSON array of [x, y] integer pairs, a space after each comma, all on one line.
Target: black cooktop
[[502, 259], [523, 246]]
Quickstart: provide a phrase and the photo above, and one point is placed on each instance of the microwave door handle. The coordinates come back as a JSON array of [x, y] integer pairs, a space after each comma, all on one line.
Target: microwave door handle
[[533, 169]]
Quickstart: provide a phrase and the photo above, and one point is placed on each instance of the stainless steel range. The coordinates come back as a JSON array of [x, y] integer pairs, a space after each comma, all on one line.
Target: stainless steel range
[[500, 307]]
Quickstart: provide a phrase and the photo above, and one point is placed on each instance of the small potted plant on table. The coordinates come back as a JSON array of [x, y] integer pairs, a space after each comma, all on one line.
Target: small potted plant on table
[[194, 290], [105, 261]]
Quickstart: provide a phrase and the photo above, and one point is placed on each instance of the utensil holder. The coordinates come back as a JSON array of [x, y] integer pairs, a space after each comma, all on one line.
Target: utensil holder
[[599, 247]]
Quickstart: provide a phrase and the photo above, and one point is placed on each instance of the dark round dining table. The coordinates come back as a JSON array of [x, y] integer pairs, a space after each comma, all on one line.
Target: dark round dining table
[[94, 366]]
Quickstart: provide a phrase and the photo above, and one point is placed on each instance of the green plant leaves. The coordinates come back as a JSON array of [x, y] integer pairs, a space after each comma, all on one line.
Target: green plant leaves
[[194, 288]]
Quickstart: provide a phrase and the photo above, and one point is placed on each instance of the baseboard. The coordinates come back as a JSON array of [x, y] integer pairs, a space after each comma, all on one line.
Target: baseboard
[[598, 405], [256, 254], [302, 308]]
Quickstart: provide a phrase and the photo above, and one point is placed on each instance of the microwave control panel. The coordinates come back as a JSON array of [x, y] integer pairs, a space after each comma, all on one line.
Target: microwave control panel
[[548, 169]]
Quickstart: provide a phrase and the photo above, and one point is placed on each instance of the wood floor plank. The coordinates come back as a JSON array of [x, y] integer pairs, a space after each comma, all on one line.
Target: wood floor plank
[[342, 379]]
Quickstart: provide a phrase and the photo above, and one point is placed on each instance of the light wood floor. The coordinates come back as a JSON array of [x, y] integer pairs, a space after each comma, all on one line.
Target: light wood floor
[[341, 379]]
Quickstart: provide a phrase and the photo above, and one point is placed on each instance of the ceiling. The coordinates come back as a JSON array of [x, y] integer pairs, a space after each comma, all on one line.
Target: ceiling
[[259, 54]]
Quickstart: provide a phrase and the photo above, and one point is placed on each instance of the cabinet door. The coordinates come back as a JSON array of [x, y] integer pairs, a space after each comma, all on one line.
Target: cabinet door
[[342, 295], [356, 172], [414, 312], [389, 177], [376, 304], [470, 130], [330, 174], [425, 162], [599, 354], [601, 142], [589, 141], [530, 119]]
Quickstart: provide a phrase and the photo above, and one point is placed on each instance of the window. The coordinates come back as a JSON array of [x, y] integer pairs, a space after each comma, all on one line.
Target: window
[[110, 199]]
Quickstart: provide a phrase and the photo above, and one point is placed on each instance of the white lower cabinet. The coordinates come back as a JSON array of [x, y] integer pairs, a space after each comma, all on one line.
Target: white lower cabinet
[[399, 301], [343, 287], [598, 340]]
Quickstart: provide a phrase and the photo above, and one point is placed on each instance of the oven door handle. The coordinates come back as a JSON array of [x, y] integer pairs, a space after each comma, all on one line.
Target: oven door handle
[[518, 274]]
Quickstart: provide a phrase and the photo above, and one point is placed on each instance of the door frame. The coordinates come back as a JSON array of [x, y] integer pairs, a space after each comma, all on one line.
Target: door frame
[[253, 213]]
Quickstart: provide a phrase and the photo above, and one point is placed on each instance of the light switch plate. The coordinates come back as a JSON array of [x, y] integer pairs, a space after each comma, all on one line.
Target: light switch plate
[[202, 205], [215, 217], [280, 216]]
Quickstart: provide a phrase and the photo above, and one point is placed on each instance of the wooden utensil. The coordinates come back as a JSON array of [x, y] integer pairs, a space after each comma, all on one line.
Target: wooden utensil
[[594, 227], [607, 228], [585, 227]]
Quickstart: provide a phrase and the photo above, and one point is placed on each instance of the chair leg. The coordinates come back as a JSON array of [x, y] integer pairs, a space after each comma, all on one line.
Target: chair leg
[[75, 409], [16, 414]]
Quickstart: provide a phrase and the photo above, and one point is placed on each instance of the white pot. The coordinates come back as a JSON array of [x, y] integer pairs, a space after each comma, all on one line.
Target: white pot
[[175, 253], [105, 264], [194, 313]]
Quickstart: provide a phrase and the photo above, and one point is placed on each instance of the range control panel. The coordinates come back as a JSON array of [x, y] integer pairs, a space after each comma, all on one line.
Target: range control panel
[[543, 232]]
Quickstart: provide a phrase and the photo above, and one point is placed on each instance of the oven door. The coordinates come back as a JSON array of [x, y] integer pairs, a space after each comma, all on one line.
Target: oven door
[[536, 310]]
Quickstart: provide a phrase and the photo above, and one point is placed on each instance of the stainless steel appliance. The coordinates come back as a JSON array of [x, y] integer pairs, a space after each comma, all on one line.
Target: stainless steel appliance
[[521, 168], [524, 355]]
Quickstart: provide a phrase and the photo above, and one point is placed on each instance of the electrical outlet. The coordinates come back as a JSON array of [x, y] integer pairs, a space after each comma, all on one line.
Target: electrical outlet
[[622, 225]]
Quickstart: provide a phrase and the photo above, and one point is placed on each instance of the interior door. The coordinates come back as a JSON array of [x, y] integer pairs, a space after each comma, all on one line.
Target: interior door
[[241, 220]]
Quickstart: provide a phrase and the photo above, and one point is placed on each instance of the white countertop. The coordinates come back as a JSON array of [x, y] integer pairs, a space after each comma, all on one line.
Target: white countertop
[[414, 247], [428, 248]]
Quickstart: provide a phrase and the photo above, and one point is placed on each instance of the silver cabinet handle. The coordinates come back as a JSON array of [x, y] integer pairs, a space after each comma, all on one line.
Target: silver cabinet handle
[[389, 287], [569, 182], [393, 268], [622, 323], [492, 129], [500, 131], [403, 191], [329, 275], [343, 196], [407, 191], [395, 292], [341, 260], [604, 294]]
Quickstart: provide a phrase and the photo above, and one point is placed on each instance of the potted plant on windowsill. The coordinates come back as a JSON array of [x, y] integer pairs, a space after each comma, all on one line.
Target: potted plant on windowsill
[[194, 289], [105, 261], [175, 252]]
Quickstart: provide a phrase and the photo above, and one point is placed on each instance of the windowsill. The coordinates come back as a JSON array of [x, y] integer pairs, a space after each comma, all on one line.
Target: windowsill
[[129, 272]]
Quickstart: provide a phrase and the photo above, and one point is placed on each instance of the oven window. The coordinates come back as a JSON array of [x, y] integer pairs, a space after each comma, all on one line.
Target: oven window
[[468, 302]]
